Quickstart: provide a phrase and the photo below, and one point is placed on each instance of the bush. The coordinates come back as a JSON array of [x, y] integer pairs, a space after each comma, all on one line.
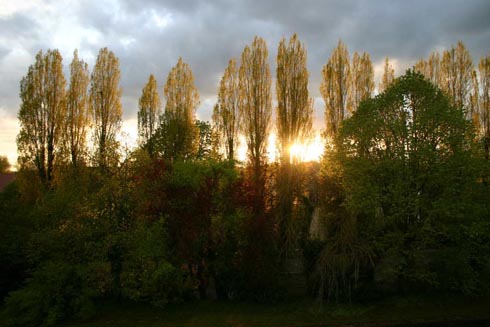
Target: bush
[[312, 249], [157, 283], [16, 227], [147, 275], [55, 291]]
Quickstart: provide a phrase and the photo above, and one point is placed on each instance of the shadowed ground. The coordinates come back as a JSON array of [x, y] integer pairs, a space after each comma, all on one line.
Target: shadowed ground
[[409, 311]]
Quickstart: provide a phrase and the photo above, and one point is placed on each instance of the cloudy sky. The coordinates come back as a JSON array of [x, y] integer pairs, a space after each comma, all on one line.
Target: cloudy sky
[[149, 36]]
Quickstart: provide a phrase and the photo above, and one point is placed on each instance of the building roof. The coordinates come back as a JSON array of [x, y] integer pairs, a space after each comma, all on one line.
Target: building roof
[[5, 179]]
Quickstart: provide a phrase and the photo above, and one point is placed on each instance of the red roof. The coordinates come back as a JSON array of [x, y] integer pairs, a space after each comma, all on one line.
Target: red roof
[[6, 178]]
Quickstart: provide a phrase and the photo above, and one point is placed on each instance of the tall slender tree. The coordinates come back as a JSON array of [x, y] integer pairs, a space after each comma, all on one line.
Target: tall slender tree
[[484, 103], [362, 79], [335, 87], [456, 76], [181, 136], [150, 108], [226, 113], [430, 68], [255, 110], [105, 104], [42, 112], [474, 101], [388, 76], [294, 105], [77, 114], [294, 120]]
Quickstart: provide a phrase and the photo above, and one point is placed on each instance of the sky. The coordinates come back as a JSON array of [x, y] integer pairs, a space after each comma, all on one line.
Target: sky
[[149, 36]]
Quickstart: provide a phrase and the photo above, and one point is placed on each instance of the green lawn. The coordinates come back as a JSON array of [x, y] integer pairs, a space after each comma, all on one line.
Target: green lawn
[[301, 313]]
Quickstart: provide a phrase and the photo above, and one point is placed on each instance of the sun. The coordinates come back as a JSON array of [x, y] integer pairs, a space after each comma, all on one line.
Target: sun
[[310, 150]]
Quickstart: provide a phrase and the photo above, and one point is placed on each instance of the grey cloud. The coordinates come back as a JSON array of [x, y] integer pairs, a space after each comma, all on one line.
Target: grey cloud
[[20, 33], [4, 50], [19, 25], [206, 34]]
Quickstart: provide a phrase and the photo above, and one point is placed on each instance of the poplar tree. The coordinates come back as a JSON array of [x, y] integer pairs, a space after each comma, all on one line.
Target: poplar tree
[[456, 76], [334, 88], [294, 121], [77, 114], [41, 115], [388, 76], [295, 107], [150, 108], [362, 79], [180, 135], [255, 111], [484, 103], [226, 112], [105, 104], [474, 101], [255, 100], [430, 68]]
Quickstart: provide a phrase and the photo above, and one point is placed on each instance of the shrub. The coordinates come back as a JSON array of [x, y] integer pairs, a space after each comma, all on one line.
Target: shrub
[[55, 291], [147, 275]]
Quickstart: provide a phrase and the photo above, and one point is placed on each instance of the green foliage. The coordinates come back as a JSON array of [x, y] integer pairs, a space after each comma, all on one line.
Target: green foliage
[[146, 273], [291, 205], [15, 229], [403, 150], [176, 139], [69, 250], [207, 140], [408, 187], [346, 253], [55, 291], [227, 237], [190, 218], [402, 194]]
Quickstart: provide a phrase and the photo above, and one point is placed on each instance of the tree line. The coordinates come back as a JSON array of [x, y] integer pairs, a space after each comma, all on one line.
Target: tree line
[[55, 120], [400, 197]]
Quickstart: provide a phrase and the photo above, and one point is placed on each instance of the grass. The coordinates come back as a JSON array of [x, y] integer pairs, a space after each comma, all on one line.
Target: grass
[[398, 311]]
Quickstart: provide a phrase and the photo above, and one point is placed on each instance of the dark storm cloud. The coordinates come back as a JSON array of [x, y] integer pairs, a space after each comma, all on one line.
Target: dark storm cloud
[[150, 36]]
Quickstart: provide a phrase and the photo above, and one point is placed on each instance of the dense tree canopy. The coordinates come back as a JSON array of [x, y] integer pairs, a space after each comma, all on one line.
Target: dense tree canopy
[[405, 144], [408, 177], [398, 204]]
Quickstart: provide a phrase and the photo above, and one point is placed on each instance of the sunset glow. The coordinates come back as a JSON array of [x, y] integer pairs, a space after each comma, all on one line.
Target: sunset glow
[[311, 150]]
